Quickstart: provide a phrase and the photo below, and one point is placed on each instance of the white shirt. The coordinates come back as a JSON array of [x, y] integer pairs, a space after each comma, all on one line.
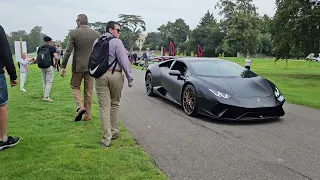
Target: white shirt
[[24, 65], [248, 62]]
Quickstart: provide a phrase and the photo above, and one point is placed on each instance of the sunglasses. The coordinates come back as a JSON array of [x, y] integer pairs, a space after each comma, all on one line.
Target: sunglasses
[[118, 30]]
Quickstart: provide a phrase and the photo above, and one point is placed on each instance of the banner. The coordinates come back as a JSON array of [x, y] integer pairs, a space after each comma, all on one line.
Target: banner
[[199, 51], [164, 51], [18, 50], [171, 49]]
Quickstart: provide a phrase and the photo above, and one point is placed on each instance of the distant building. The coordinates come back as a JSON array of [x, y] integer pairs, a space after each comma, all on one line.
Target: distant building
[[140, 40]]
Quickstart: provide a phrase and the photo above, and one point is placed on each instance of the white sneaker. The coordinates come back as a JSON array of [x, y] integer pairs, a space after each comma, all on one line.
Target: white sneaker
[[24, 90], [47, 99]]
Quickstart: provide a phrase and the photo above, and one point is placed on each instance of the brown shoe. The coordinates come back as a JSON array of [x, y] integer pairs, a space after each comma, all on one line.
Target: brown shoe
[[86, 117], [80, 113]]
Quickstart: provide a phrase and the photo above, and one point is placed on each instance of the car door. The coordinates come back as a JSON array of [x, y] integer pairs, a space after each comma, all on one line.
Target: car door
[[173, 84]]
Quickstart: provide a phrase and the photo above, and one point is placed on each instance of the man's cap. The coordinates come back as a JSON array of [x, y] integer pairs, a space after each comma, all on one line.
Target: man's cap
[[47, 38]]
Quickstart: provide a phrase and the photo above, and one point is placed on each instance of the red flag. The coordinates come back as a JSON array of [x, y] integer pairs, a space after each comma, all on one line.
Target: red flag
[[200, 51], [164, 51], [171, 49]]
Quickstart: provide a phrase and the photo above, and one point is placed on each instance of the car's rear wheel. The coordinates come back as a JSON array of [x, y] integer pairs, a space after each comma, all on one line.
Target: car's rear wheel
[[148, 84], [189, 101]]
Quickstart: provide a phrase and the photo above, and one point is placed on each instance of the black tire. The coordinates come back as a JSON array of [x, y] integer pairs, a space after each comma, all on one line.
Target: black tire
[[148, 85], [190, 105]]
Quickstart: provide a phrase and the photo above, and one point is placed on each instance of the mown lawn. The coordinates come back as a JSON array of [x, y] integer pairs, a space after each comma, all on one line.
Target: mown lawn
[[53, 146], [299, 83]]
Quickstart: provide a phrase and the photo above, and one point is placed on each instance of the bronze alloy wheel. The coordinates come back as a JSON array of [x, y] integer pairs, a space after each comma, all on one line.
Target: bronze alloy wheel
[[189, 100]]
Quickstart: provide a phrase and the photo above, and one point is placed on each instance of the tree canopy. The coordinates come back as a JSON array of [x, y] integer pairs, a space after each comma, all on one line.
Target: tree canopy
[[293, 32]]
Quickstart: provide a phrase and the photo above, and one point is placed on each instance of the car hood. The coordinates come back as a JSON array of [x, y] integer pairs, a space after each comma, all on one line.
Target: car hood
[[240, 87]]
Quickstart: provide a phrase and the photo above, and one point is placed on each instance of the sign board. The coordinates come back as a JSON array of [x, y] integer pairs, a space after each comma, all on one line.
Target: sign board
[[17, 50]]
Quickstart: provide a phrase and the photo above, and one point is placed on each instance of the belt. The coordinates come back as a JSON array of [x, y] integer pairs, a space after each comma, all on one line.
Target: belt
[[116, 70]]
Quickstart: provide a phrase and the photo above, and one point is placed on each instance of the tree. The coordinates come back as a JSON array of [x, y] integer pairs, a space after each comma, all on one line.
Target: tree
[[207, 19], [135, 26], [240, 25], [294, 28], [15, 36], [126, 37], [152, 41], [36, 38], [65, 40], [99, 26], [208, 35], [176, 31]]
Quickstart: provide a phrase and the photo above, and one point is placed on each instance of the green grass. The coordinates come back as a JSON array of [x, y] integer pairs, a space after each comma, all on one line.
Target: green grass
[[53, 146], [299, 83]]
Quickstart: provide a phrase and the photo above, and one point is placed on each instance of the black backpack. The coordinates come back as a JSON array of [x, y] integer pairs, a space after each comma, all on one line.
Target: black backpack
[[99, 58], [44, 57]]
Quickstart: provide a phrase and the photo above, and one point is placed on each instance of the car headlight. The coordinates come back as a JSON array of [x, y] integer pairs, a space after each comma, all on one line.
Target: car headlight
[[278, 95], [220, 94], [277, 92]]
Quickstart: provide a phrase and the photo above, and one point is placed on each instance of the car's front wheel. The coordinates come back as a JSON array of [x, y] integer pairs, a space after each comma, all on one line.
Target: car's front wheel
[[189, 101], [148, 84]]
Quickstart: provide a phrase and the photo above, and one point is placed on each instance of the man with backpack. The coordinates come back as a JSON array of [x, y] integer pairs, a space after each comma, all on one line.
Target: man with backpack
[[45, 56], [80, 42], [107, 61]]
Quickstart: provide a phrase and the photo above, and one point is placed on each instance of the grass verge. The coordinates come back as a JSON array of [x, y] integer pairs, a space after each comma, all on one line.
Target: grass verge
[[53, 146]]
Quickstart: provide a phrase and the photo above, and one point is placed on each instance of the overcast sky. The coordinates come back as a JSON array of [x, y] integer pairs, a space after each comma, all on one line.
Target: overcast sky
[[57, 17]]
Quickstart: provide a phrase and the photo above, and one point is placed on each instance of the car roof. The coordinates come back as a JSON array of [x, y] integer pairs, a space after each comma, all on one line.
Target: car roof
[[190, 59]]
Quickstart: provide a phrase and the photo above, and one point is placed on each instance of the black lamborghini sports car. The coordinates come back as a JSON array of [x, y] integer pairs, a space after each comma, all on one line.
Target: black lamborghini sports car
[[214, 87]]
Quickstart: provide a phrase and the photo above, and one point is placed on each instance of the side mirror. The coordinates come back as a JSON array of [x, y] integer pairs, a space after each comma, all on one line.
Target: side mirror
[[174, 73]]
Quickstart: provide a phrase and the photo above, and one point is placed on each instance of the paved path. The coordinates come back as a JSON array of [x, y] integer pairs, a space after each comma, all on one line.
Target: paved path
[[200, 148]]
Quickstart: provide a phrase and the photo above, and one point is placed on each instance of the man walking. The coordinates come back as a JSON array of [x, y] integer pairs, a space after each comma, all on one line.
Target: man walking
[[80, 40], [110, 84], [248, 62], [5, 61], [45, 58], [146, 59], [59, 52]]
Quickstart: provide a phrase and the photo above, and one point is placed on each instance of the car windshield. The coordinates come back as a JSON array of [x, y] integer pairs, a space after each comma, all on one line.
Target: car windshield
[[220, 69]]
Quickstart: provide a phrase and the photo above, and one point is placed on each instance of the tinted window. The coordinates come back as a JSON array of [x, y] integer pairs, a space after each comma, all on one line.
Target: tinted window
[[180, 66], [220, 68]]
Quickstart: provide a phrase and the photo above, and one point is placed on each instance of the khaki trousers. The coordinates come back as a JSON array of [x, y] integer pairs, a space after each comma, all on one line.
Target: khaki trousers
[[47, 79], [75, 83], [109, 87]]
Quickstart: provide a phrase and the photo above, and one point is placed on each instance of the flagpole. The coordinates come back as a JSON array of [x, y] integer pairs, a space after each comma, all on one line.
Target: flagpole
[[21, 47]]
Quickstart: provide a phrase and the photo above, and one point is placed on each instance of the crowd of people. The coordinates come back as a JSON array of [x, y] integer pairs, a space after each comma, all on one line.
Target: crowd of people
[[81, 42]]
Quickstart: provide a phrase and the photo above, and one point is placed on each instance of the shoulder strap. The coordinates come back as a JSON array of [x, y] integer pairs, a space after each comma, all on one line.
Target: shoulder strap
[[109, 38], [115, 64]]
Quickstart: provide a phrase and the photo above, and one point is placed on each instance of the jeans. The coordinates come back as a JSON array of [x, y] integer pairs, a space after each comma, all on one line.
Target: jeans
[[3, 90]]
